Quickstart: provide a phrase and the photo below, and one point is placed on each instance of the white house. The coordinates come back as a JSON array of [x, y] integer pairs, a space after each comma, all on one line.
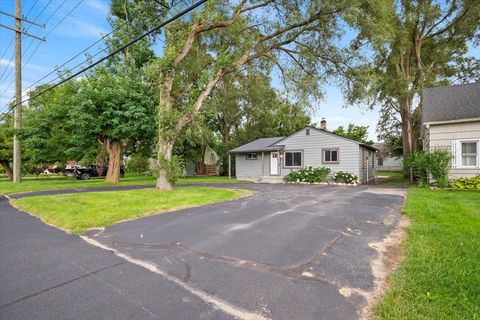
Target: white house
[[385, 160], [270, 159], [451, 120]]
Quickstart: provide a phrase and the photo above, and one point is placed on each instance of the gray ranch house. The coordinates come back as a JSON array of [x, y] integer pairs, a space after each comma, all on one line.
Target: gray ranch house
[[451, 120], [270, 159]]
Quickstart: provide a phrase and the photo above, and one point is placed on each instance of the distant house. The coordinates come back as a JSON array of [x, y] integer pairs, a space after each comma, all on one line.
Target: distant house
[[451, 119], [270, 159], [208, 165], [385, 160]]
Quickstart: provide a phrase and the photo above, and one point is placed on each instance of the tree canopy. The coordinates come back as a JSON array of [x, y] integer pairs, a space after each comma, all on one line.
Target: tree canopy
[[357, 133], [412, 45]]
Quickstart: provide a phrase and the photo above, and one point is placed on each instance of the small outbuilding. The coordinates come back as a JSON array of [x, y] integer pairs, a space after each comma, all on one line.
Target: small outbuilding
[[271, 159]]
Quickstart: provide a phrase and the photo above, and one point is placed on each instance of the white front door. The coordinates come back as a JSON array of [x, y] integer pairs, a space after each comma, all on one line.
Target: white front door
[[273, 163]]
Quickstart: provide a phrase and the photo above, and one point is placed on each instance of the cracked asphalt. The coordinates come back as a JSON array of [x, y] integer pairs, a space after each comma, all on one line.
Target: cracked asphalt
[[286, 252]]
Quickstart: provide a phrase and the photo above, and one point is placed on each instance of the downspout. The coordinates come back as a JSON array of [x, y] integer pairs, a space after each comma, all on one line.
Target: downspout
[[263, 164], [229, 166]]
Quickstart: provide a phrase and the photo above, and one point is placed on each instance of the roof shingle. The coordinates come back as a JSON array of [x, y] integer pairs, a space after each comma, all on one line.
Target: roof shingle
[[259, 145], [456, 102]]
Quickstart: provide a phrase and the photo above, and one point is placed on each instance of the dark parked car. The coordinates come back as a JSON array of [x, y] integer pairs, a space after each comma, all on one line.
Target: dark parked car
[[93, 170]]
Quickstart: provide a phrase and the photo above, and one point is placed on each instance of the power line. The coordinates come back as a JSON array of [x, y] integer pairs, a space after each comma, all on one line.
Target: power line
[[146, 34], [11, 41], [48, 19], [28, 28], [89, 47], [38, 44]]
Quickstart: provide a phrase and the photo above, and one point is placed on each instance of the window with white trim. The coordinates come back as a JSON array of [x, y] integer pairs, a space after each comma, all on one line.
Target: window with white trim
[[469, 153], [251, 156], [293, 159], [330, 155]]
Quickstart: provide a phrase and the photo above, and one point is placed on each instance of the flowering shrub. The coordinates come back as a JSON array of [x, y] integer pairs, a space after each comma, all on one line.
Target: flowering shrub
[[467, 183], [344, 177], [308, 175]]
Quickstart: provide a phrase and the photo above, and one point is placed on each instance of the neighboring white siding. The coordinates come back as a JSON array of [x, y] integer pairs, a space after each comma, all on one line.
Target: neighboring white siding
[[312, 146], [441, 135], [391, 164], [251, 169]]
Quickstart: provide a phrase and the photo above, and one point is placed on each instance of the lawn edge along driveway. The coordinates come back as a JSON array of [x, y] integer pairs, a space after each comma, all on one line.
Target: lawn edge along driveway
[[76, 213], [58, 183], [439, 275]]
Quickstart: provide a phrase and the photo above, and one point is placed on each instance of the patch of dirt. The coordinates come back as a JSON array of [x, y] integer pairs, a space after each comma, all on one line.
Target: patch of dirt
[[389, 257]]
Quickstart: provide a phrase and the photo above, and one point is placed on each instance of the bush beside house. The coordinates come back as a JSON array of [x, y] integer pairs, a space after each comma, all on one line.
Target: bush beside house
[[312, 175]]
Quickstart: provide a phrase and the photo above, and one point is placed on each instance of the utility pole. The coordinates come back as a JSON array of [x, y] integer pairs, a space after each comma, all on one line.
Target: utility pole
[[17, 116]]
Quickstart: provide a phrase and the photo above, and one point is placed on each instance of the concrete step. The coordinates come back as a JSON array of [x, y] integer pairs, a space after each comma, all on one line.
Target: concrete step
[[271, 179]]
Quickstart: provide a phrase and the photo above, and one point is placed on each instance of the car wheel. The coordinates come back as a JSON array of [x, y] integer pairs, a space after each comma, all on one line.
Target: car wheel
[[85, 176]]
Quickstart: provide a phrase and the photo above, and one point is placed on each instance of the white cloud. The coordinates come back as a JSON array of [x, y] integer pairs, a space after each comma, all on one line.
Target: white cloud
[[78, 28], [98, 6], [7, 63]]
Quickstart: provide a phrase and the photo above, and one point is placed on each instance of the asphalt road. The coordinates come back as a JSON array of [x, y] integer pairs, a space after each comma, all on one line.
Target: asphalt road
[[287, 252]]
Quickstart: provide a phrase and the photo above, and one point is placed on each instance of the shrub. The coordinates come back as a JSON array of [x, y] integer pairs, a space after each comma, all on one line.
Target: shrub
[[309, 175], [138, 164], [344, 177], [435, 164], [467, 183]]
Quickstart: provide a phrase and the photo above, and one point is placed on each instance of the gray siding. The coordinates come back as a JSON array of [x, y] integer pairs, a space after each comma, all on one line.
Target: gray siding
[[367, 165], [251, 169], [441, 135], [312, 146]]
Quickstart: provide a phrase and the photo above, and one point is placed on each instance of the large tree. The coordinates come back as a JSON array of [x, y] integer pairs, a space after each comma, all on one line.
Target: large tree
[[116, 110], [354, 132], [245, 106], [413, 45], [295, 36], [47, 127], [6, 147], [115, 103]]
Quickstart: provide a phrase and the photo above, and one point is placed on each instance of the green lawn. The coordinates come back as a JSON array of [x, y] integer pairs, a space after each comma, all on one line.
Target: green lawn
[[440, 276], [62, 182], [77, 212], [395, 177]]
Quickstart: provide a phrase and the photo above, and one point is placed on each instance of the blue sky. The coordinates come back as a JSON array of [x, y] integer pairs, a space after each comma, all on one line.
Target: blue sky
[[85, 25]]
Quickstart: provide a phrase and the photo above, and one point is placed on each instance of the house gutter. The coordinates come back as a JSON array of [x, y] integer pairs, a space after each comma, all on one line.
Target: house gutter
[[428, 123]]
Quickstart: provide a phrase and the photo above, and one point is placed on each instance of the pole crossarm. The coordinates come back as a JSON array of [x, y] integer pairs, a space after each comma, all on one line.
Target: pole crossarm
[[23, 32], [24, 19]]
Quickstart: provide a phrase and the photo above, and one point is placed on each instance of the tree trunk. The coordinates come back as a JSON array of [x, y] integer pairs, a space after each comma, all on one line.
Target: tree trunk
[[407, 136], [114, 150], [164, 153], [8, 170], [226, 136]]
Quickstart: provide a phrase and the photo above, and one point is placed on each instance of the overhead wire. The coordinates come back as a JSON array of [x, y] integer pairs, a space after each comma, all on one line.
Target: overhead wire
[[116, 51], [39, 43]]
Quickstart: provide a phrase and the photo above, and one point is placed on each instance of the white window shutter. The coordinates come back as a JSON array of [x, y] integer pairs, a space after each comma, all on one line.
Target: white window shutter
[[454, 153]]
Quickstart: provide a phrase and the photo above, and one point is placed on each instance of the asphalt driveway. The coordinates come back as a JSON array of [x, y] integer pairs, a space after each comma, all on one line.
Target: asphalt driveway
[[287, 252]]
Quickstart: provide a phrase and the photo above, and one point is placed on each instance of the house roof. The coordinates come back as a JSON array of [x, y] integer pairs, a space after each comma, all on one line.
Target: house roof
[[259, 145], [271, 144], [456, 102]]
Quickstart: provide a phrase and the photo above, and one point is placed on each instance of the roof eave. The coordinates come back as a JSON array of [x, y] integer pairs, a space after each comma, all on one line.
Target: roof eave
[[451, 121], [255, 150]]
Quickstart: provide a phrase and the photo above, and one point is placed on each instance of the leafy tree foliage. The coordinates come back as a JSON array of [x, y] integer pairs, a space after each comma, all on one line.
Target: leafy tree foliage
[[294, 36], [413, 45], [6, 147], [115, 110], [47, 127], [357, 133]]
